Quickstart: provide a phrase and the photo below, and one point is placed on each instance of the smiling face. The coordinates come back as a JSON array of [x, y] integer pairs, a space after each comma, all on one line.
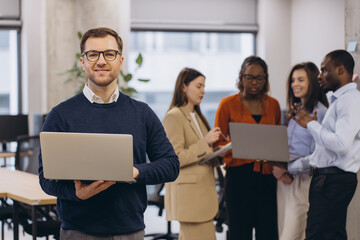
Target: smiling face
[[101, 73], [300, 84], [252, 86], [195, 91]]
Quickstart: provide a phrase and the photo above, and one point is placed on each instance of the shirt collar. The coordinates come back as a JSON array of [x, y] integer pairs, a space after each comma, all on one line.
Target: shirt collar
[[93, 98], [342, 90]]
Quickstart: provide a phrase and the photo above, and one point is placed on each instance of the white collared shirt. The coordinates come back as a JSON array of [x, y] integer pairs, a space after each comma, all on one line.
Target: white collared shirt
[[301, 143], [93, 98], [337, 138], [193, 116]]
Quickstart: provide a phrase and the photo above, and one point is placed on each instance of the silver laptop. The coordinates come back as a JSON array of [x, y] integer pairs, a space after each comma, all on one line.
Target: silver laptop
[[260, 142], [87, 156]]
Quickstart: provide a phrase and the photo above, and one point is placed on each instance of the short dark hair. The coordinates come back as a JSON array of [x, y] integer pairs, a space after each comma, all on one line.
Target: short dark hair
[[250, 61], [314, 95], [100, 33], [342, 57]]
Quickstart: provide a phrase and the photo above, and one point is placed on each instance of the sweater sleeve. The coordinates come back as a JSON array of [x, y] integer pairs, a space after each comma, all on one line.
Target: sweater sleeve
[[60, 189], [164, 163]]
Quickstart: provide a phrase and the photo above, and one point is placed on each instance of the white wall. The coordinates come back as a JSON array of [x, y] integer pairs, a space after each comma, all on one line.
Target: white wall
[[294, 31], [317, 27], [274, 43]]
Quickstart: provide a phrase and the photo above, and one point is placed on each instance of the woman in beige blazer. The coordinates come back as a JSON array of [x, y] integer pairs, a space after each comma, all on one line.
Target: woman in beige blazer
[[192, 198]]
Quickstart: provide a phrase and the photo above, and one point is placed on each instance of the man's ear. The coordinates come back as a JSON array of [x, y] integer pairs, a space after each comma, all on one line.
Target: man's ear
[[82, 63], [121, 61], [340, 70]]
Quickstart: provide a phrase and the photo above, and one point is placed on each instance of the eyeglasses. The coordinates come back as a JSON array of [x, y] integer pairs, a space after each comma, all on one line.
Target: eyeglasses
[[93, 56], [250, 78]]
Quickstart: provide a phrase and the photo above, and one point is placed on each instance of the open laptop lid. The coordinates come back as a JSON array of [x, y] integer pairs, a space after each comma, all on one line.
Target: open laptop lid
[[87, 156], [259, 142]]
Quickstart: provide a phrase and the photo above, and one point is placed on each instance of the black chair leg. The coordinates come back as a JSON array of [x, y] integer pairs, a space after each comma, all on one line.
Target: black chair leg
[[2, 230]]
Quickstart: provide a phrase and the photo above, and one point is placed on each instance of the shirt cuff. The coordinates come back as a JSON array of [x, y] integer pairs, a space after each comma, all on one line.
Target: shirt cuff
[[299, 166], [313, 126]]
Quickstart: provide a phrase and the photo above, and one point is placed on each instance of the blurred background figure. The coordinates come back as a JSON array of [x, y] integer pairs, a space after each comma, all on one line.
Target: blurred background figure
[[250, 187], [192, 198]]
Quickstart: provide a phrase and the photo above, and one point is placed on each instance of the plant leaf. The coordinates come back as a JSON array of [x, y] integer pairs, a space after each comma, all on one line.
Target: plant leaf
[[128, 77], [139, 60], [122, 74], [79, 34], [128, 91], [143, 80]]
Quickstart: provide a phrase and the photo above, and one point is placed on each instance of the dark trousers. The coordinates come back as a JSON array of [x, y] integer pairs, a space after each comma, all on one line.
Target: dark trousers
[[77, 235], [329, 199], [251, 203]]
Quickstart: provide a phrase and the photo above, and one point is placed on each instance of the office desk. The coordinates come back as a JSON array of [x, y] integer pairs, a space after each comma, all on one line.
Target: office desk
[[7, 154], [25, 188]]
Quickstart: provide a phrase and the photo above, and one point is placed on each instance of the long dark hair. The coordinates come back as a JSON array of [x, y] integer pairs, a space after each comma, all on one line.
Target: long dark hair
[[179, 99], [250, 61], [314, 94]]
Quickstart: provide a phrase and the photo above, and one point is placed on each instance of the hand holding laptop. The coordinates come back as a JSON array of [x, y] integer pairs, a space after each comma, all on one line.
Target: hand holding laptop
[[135, 173], [86, 191]]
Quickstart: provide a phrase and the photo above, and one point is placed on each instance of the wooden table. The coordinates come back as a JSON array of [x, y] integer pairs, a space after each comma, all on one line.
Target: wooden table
[[7, 154], [25, 188]]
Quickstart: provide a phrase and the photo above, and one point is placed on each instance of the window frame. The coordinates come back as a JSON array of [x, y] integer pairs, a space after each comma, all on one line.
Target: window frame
[[17, 26]]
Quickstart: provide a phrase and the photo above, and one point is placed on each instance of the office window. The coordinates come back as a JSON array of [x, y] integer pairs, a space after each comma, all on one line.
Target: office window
[[217, 55], [9, 97]]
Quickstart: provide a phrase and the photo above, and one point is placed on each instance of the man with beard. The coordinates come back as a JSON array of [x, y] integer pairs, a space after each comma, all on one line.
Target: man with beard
[[105, 209], [336, 158]]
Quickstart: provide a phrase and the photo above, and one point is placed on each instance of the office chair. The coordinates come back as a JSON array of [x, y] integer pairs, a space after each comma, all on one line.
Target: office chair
[[26, 159], [6, 213], [156, 199]]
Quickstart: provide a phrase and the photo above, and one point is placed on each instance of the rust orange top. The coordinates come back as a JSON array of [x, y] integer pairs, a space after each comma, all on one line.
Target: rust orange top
[[232, 109]]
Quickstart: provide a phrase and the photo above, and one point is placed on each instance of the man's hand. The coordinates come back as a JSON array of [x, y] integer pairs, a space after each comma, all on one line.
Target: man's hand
[[135, 173], [303, 118], [85, 191], [282, 175]]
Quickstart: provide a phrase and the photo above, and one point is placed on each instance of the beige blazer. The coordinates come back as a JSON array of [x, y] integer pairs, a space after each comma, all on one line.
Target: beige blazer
[[192, 197]]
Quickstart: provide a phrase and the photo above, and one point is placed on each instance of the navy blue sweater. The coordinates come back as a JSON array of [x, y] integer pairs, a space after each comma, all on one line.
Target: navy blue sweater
[[120, 208]]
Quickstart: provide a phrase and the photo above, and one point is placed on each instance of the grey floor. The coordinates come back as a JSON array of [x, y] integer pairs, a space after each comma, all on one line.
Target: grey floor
[[154, 224]]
